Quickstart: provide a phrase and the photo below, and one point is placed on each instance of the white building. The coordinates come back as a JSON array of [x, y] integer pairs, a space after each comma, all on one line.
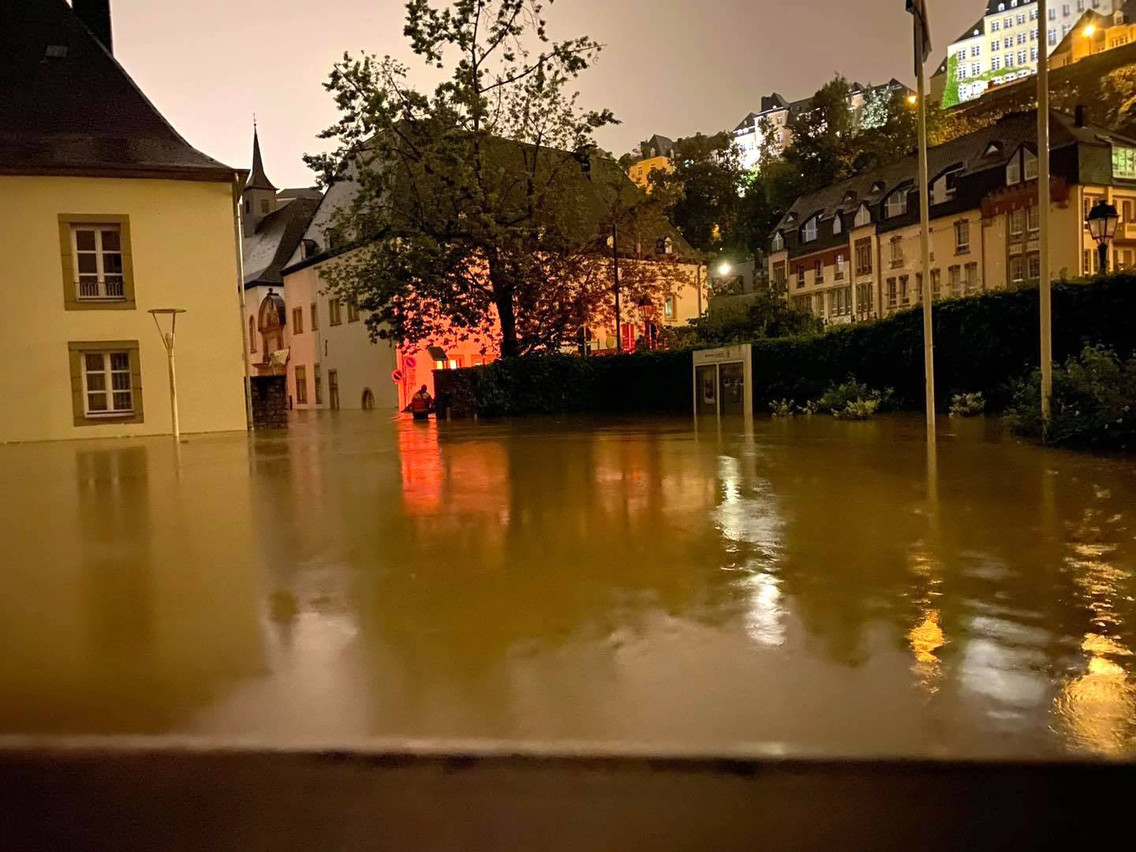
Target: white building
[[1004, 45], [776, 113]]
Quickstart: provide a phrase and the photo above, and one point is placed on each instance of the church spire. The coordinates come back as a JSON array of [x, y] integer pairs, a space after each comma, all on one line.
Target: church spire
[[257, 178]]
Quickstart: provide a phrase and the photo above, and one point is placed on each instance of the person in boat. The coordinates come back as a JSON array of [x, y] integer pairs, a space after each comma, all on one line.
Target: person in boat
[[422, 404]]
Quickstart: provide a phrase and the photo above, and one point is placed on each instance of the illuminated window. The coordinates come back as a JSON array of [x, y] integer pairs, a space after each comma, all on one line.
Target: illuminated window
[[669, 307], [863, 216], [810, 231], [1123, 162], [778, 242]]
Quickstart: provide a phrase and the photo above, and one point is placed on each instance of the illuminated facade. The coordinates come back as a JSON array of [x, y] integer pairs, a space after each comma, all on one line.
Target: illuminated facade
[[851, 252], [773, 120], [655, 155], [1004, 45]]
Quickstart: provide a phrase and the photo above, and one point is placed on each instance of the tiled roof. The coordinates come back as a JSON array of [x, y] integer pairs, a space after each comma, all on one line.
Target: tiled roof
[[73, 110], [967, 151], [268, 250]]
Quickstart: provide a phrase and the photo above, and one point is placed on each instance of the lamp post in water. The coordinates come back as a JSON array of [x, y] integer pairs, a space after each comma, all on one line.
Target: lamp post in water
[[168, 342], [1102, 222]]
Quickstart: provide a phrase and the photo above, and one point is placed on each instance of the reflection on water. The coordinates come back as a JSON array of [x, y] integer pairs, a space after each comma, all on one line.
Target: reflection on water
[[812, 585]]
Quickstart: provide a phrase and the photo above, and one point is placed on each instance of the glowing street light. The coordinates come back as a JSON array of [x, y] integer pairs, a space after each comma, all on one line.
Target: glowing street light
[[1102, 222], [725, 269], [1090, 31], [913, 99]]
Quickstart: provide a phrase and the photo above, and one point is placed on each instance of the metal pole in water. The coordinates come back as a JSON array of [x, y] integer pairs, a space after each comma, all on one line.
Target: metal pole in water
[[1043, 192], [173, 387], [921, 39]]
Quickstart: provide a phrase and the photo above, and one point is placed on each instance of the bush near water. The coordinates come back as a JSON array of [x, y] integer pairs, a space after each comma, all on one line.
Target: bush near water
[[984, 345]]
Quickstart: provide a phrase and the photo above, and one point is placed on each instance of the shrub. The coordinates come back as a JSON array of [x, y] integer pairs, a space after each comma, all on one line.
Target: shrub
[[858, 409], [1094, 402], [968, 405], [783, 408], [852, 395], [983, 344]]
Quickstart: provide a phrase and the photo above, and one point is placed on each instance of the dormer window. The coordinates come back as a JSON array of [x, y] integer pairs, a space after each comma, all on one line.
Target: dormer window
[[849, 197], [778, 242], [1030, 172], [878, 186], [863, 216], [837, 224], [896, 204], [992, 150], [810, 232], [1014, 171]]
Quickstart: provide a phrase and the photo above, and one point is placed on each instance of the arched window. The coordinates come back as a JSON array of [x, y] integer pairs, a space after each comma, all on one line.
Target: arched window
[[837, 224], [863, 216], [778, 242]]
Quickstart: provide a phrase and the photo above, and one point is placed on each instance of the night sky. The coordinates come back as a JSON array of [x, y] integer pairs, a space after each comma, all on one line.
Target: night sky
[[673, 67]]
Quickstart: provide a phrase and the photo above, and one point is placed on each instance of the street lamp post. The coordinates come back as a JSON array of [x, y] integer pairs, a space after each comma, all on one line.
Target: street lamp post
[[168, 342], [1102, 221]]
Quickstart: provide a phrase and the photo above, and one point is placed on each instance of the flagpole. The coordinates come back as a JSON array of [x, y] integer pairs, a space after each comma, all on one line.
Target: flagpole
[[1043, 192], [925, 237]]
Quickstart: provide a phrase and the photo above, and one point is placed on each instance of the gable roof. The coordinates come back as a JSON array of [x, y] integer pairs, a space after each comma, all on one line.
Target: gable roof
[[270, 248], [76, 111], [1010, 133]]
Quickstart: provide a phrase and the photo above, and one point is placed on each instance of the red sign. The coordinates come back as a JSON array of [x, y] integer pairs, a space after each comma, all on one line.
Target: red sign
[[410, 362], [397, 377]]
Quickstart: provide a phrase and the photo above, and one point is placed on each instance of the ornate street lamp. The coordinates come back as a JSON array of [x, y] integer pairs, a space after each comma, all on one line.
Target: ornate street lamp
[[1102, 222]]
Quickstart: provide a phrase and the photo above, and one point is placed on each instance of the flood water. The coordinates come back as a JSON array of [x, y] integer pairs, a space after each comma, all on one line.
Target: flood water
[[808, 586]]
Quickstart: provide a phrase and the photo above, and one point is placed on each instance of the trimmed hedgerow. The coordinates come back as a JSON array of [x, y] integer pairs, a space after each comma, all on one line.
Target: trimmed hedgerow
[[983, 345]]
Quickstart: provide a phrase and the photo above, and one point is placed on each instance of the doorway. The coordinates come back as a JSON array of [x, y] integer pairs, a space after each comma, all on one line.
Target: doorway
[[368, 400], [333, 389]]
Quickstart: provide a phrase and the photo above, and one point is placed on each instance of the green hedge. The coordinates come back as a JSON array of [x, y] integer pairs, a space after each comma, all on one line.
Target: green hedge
[[983, 344], [556, 384]]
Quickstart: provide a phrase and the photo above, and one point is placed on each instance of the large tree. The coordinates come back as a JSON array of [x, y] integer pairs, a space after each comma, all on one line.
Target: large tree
[[480, 204]]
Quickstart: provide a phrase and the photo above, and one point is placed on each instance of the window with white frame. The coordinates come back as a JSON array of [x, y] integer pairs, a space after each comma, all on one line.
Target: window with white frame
[[976, 50], [837, 224], [962, 237], [99, 269], [107, 388], [1033, 219], [996, 63], [1030, 164], [778, 242], [995, 26], [1014, 171], [896, 204], [1017, 223], [841, 266], [896, 251], [996, 44], [863, 216], [810, 231], [1021, 57]]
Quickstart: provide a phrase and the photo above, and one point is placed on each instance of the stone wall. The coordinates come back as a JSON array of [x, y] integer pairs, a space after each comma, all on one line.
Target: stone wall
[[269, 402]]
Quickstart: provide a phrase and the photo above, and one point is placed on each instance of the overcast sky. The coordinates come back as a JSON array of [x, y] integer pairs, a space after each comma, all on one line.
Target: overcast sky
[[673, 67]]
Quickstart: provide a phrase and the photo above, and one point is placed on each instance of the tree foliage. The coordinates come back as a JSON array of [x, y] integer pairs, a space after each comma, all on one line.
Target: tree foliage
[[473, 215]]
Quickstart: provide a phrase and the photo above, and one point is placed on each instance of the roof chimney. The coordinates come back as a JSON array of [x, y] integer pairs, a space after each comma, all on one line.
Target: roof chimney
[[1079, 115], [95, 15]]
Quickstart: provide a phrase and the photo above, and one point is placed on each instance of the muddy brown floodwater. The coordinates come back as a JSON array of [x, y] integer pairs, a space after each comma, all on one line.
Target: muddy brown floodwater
[[808, 587]]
